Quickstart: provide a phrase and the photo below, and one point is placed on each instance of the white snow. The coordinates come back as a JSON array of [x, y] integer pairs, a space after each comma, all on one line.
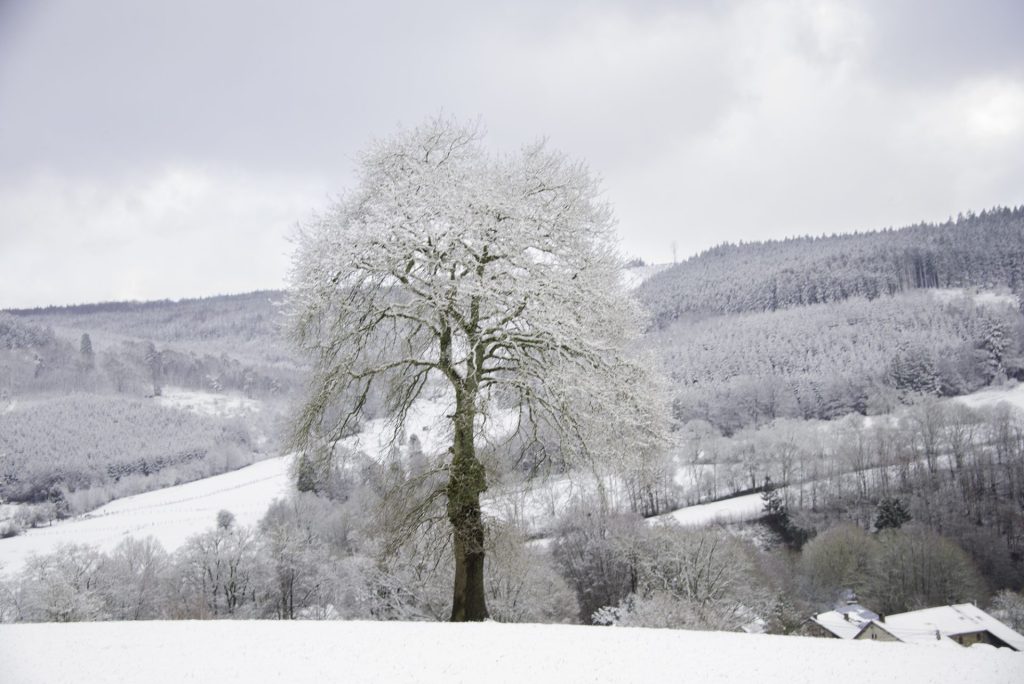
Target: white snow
[[993, 397], [427, 419], [297, 652], [980, 297], [171, 515], [532, 504], [634, 276], [846, 623], [736, 509], [207, 403], [963, 618]]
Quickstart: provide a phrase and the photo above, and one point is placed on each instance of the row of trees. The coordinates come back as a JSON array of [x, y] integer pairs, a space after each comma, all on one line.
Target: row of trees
[[893, 571], [306, 560]]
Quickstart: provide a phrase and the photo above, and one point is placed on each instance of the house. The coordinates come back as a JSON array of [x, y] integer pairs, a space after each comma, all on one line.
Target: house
[[877, 630], [964, 624], [845, 622]]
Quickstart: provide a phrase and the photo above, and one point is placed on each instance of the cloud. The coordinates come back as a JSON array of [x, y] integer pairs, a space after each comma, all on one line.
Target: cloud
[[171, 233], [126, 124]]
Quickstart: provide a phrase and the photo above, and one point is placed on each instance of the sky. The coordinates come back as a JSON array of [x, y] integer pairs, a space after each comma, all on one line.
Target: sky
[[166, 150]]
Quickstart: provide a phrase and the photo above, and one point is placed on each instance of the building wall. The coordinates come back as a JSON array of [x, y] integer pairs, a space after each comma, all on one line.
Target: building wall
[[813, 629], [875, 633], [983, 637]]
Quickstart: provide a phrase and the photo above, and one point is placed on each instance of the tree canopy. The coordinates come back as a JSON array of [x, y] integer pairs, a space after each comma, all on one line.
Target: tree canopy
[[494, 276]]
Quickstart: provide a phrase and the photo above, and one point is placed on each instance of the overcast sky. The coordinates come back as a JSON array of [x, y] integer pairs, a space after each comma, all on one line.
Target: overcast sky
[[166, 150]]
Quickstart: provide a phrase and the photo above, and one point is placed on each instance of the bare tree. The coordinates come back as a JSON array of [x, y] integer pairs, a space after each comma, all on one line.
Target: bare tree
[[132, 576], [496, 277]]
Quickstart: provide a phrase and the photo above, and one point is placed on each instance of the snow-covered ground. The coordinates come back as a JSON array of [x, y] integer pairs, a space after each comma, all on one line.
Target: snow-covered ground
[[993, 397], [170, 515], [633, 277], [208, 403], [296, 652], [736, 509], [980, 297], [427, 419]]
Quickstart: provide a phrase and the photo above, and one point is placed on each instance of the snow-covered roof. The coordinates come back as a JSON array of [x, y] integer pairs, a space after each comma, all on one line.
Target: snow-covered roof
[[845, 621], [912, 635], [963, 618]]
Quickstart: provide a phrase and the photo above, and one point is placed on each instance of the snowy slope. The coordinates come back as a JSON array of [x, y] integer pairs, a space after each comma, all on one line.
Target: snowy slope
[[634, 276], [208, 403], [736, 509], [980, 297], [171, 515], [296, 652], [993, 397], [175, 513]]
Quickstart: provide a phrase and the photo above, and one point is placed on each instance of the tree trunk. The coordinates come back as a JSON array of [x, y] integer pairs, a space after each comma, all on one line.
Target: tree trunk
[[465, 483]]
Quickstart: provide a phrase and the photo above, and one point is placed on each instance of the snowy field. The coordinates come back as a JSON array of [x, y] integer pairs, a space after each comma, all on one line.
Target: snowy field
[[295, 652], [993, 397], [980, 297], [736, 509], [208, 403], [170, 515], [633, 277]]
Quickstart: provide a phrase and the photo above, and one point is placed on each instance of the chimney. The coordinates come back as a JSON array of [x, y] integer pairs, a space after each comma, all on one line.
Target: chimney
[[881, 618]]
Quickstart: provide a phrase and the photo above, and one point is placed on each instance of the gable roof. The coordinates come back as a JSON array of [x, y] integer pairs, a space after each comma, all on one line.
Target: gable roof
[[963, 618], [910, 635], [845, 621]]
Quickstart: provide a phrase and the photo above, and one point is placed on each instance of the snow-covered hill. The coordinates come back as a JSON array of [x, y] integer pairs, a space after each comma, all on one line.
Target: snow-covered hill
[[296, 652], [173, 514], [1014, 396], [170, 515], [635, 276]]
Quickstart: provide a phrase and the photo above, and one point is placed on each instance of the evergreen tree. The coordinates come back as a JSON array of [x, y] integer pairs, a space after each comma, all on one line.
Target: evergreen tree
[[85, 352], [891, 514]]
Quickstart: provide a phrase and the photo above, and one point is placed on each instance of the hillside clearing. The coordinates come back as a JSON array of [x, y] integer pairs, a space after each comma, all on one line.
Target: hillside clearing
[[170, 515]]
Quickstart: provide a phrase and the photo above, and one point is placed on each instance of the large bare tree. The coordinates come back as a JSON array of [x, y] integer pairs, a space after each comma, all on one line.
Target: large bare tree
[[496, 275]]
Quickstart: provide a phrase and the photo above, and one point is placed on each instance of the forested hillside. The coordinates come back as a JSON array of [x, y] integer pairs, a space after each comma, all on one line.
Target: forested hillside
[[828, 360], [246, 325], [976, 250], [82, 418], [213, 344], [54, 451]]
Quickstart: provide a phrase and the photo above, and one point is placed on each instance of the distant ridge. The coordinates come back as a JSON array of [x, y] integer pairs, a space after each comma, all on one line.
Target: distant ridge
[[136, 305], [973, 250]]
